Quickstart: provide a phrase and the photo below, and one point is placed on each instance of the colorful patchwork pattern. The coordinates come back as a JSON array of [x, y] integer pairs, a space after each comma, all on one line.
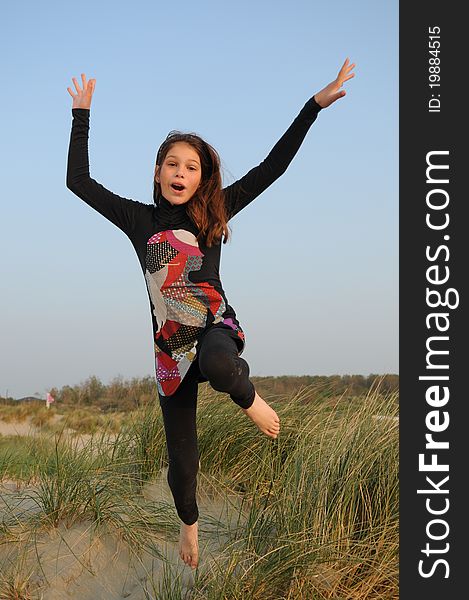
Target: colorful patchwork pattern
[[182, 309], [237, 328]]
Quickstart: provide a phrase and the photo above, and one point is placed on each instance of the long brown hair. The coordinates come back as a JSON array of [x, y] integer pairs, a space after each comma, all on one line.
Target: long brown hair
[[206, 208]]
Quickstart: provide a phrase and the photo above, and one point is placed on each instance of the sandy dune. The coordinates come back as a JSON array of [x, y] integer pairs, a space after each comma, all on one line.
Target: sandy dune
[[17, 428], [78, 563]]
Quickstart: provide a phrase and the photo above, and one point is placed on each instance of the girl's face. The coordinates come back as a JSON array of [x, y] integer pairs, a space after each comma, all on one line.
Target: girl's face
[[180, 174]]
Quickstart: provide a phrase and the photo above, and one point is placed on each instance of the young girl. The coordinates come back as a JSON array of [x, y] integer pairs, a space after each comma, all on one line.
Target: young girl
[[196, 334]]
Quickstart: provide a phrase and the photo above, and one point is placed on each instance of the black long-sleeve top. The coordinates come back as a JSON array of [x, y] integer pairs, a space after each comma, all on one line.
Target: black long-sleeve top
[[182, 275]]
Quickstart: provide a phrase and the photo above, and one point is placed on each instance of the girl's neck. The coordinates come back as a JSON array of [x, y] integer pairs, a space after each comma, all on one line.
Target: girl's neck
[[166, 205], [172, 216]]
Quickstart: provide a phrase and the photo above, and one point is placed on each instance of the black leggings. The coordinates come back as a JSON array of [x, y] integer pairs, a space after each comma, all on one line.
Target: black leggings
[[218, 362]]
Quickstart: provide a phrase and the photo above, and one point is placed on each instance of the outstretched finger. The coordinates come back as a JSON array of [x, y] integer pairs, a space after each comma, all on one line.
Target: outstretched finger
[[348, 77], [344, 66], [77, 87], [83, 81], [345, 73], [71, 93]]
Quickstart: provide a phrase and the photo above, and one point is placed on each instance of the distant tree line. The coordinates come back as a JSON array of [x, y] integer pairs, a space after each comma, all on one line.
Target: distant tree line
[[125, 395], [328, 385]]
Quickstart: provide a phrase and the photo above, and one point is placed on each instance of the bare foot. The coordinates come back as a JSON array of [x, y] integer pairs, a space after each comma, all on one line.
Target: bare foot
[[189, 545], [264, 416]]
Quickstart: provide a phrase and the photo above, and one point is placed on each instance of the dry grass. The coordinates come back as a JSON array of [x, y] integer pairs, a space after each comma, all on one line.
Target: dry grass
[[317, 509]]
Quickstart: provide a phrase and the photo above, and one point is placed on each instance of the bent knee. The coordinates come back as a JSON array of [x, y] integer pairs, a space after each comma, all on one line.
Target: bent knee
[[220, 368]]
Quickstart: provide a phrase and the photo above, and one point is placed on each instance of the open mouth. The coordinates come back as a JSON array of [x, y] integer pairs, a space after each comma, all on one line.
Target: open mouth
[[177, 187]]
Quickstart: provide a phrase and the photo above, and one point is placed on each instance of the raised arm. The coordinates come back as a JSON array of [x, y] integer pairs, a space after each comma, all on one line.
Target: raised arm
[[123, 212], [240, 193]]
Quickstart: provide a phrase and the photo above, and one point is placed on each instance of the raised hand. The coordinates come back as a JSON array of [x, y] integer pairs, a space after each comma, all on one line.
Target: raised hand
[[82, 99], [332, 92]]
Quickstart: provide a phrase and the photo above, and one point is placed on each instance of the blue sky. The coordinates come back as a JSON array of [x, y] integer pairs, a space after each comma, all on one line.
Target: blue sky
[[74, 301]]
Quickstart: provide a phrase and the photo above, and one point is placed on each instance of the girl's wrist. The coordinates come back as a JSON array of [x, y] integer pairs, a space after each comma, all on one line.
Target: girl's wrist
[[316, 100]]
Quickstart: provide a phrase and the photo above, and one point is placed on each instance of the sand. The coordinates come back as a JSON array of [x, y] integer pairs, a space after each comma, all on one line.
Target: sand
[[17, 428], [25, 427], [80, 563]]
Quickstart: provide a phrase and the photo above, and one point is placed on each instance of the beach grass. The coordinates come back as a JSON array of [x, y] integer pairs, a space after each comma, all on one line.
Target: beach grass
[[310, 515]]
